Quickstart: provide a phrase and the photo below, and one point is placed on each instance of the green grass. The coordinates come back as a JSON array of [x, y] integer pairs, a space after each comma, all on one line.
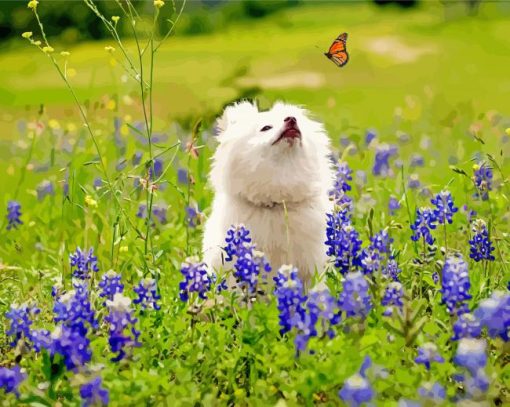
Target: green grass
[[438, 76]]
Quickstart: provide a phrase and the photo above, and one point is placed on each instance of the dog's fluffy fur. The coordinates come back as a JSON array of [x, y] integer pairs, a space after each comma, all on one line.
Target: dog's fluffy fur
[[255, 178]]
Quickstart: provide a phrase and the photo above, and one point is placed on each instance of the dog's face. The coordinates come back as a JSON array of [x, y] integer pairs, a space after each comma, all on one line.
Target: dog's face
[[271, 156]]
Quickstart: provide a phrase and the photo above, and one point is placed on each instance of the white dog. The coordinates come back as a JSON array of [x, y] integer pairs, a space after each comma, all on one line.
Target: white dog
[[272, 173]]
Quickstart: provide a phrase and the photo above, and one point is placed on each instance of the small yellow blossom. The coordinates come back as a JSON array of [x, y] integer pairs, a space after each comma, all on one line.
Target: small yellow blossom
[[48, 50], [37, 43], [71, 72], [32, 4], [476, 167], [113, 62], [115, 19], [123, 249], [65, 53], [110, 105], [507, 131], [124, 130], [91, 202], [71, 127], [159, 3], [109, 49], [53, 124], [27, 34], [10, 170]]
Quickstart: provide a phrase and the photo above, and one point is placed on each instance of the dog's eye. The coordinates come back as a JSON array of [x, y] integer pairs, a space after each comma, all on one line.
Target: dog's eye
[[266, 128]]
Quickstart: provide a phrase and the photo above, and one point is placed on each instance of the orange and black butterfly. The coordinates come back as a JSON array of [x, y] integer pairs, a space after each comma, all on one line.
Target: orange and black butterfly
[[338, 51]]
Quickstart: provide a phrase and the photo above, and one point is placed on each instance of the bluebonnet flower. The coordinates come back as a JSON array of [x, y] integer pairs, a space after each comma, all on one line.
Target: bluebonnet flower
[[481, 246], [316, 319], [428, 353], [417, 160], [393, 205], [137, 158], [110, 285], [192, 216], [471, 354], [10, 379], [158, 212], [98, 182], [74, 310], [342, 179], [382, 159], [250, 266], [455, 285], [236, 236], [444, 207], [424, 223], [392, 297], [71, 345], [41, 339], [470, 213], [356, 389], [434, 392], [466, 326], [182, 176], [343, 241], [414, 181], [92, 394], [147, 291], [494, 314], [157, 168], [57, 290], [381, 241], [123, 333], [289, 293], [482, 178], [82, 263], [355, 299], [13, 215], [20, 317], [196, 279], [370, 261], [121, 164], [369, 136], [391, 270], [44, 189]]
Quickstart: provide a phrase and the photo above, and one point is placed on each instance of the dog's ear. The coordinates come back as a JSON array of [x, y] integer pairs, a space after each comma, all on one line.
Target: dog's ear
[[238, 112]]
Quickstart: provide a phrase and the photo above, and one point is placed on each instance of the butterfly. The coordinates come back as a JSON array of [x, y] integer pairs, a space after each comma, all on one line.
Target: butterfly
[[338, 51]]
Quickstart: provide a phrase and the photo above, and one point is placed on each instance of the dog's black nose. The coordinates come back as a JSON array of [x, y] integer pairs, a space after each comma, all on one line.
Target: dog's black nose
[[290, 120]]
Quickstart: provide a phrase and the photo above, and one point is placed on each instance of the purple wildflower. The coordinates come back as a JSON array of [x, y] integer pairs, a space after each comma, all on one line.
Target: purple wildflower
[[20, 317], [392, 297], [466, 326], [481, 246], [147, 291], [482, 178], [424, 223], [494, 314], [355, 299], [455, 285], [196, 279], [289, 293], [13, 215], [428, 353], [83, 263], [123, 333], [110, 285], [92, 394], [10, 379], [444, 207]]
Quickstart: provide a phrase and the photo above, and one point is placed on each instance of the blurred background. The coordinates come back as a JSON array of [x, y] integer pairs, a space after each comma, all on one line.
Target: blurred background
[[447, 53]]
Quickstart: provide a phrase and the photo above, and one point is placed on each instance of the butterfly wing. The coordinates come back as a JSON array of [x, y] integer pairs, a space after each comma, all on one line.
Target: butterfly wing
[[338, 51]]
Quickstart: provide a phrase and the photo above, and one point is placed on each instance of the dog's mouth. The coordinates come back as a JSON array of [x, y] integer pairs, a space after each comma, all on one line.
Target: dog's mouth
[[290, 134]]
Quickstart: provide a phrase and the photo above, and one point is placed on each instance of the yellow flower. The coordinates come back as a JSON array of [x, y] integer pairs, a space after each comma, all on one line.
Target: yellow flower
[[48, 50], [71, 72], [89, 201], [54, 124], [115, 19], [507, 131], [123, 249], [32, 4], [476, 167], [110, 105], [65, 53], [37, 43], [159, 3], [27, 34], [109, 49], [71, 127]]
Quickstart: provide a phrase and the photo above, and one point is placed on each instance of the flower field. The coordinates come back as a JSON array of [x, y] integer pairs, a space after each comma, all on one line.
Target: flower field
[[104, 298]]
